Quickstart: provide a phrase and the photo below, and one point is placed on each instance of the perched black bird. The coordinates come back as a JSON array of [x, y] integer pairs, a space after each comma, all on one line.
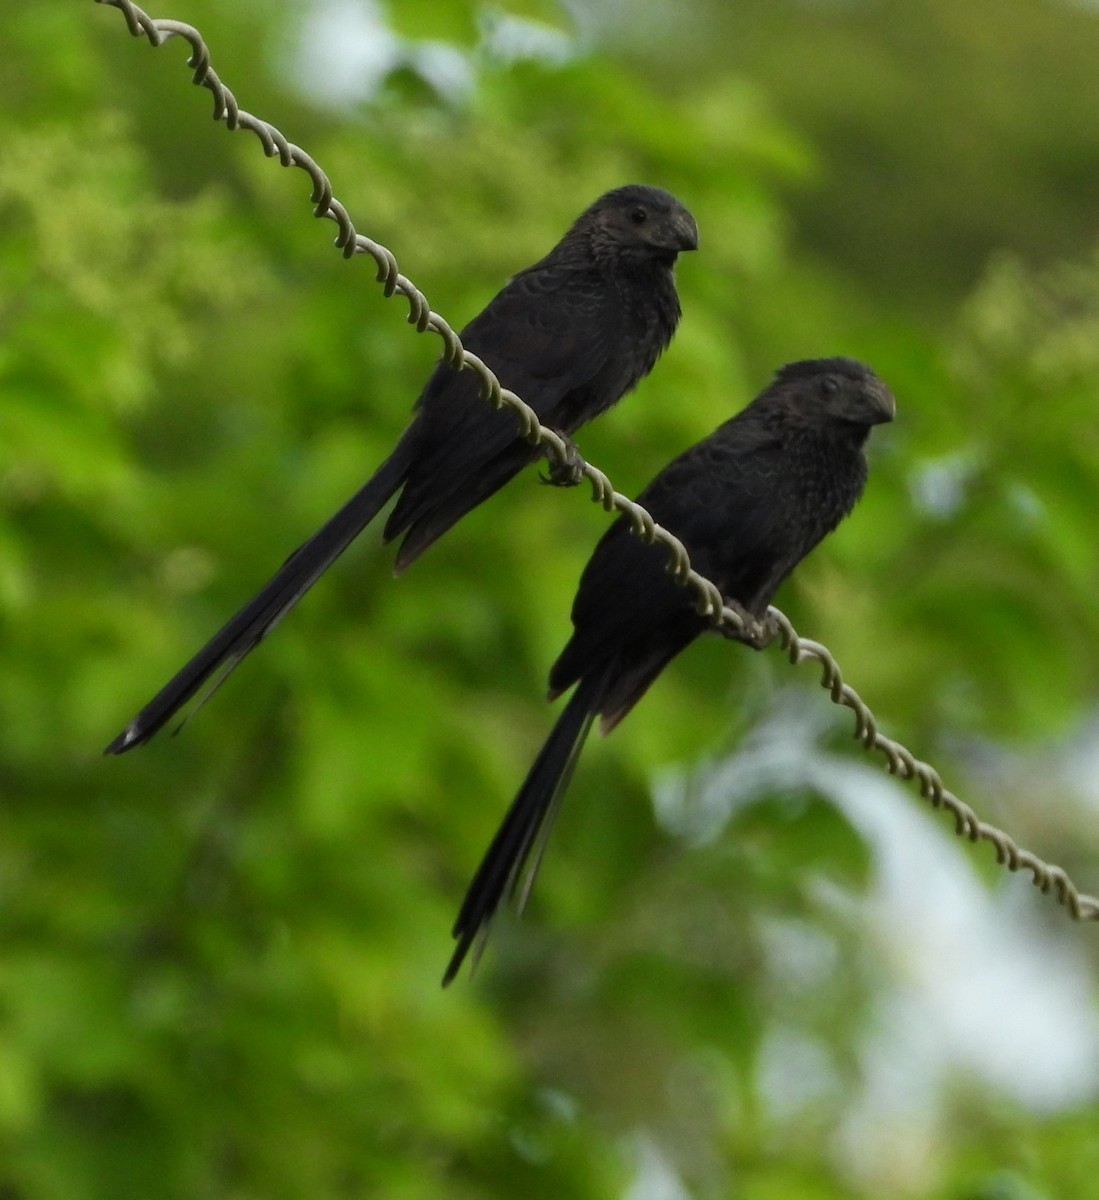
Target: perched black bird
[[570, 335], [748, 502]]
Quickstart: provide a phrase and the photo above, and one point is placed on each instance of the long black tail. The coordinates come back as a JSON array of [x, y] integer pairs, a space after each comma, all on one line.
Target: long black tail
[[522, 835], [244, 631]]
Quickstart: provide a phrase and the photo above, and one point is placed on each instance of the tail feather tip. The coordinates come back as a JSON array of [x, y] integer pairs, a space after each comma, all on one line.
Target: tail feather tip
[[126, 740]]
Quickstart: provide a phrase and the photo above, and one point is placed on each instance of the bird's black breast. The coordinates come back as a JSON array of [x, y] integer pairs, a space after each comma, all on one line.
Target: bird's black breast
[[639, 322], [748, 503]]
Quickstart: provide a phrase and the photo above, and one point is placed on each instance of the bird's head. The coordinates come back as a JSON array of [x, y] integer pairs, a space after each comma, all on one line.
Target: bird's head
[[637, 222], [836, 389]]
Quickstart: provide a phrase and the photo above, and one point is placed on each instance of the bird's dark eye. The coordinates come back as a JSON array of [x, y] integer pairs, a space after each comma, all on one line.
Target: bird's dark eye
[[829, 385], [639, 216]]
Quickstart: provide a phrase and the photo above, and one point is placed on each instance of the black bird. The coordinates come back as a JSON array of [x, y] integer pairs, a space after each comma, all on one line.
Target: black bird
[[570, 335], [748, 502]]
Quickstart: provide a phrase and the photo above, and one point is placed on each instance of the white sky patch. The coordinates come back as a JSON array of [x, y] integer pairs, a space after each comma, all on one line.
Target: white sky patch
[[938, 486], [510, 39], [794, 1072], [346, 50], [448, 69], [979, 982], [655, 1177], [1077, 764]]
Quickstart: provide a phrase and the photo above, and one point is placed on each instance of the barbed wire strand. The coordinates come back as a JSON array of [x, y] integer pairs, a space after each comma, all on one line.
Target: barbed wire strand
[[899, 761]]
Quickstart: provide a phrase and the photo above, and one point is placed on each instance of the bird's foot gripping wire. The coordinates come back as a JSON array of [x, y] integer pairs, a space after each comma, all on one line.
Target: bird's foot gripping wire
[[754, 633], [568, 471]]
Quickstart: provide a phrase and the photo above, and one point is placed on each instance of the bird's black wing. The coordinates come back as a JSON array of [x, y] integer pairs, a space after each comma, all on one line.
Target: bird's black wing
[[550, 337], [718, 499]]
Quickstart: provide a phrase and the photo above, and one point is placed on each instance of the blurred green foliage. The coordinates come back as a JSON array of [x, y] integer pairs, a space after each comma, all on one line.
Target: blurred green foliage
[[219, 956]]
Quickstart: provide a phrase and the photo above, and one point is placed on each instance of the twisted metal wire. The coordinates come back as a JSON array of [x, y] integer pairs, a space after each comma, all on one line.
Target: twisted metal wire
[[709, 601]]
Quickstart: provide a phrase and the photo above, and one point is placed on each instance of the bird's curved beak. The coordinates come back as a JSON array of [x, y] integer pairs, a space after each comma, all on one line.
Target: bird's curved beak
[[685, 231], [883, 404]]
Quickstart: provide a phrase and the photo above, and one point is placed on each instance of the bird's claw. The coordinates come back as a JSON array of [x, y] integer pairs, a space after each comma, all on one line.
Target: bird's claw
[[567, 471], [754, 632]]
